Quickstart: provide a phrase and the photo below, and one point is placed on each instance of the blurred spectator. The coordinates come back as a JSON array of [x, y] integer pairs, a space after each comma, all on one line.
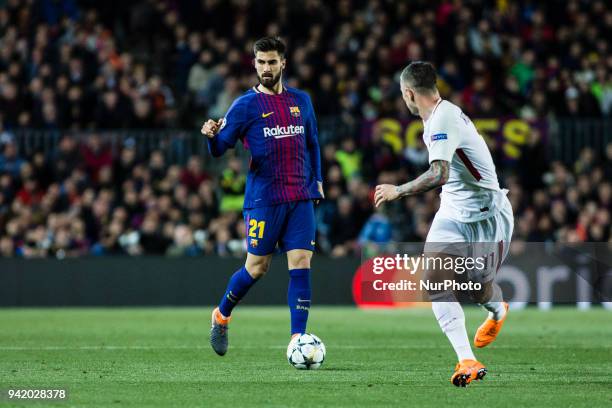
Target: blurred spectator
[[193, 175], [377, 232], [343, 229], [349, 159], [152, 239], [532, 164], [96, 155], [233, 184], [184, 244], [66, 158], [10, 162]]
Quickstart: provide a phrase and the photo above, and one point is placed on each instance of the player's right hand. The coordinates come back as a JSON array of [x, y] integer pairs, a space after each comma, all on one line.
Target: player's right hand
[[211, 128], [385, 193]]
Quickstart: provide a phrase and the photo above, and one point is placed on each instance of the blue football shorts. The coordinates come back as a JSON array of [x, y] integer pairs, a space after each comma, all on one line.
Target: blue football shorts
[[290, 225]]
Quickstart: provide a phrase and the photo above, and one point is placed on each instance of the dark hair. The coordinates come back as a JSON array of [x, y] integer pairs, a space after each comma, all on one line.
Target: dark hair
[[270, 44], [421, 76]]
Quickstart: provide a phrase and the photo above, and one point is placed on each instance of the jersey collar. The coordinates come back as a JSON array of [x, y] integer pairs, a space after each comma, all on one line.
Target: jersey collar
[[433, 110], [258, 91]]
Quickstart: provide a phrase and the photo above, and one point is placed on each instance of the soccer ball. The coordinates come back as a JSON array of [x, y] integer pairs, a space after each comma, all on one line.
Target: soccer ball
[[306, 352]]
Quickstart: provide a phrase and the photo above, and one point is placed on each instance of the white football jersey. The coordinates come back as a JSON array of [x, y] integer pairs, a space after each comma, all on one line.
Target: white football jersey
[[472, 192]]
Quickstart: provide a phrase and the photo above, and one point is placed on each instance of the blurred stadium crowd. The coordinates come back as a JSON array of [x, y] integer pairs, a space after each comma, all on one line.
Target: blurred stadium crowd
[[82, 65]]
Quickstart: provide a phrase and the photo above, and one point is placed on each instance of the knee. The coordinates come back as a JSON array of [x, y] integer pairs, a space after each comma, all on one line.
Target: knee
[[300, 260], [258, 268]]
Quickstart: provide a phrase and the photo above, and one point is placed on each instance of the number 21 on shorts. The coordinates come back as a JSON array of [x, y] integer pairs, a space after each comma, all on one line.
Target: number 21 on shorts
[[256, 229]]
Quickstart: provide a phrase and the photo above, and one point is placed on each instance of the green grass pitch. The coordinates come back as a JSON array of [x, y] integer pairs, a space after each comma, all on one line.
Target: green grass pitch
[[161, 358]]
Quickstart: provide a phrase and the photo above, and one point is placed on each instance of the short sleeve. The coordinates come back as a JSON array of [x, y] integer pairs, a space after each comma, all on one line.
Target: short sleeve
[[443, 138]]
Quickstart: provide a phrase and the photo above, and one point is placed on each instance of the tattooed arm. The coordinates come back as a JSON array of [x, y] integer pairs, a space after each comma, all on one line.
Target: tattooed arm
[[436, 176]]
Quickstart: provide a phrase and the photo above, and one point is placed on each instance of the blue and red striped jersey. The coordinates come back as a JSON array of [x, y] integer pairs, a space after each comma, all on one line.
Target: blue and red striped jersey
[[280, 131]]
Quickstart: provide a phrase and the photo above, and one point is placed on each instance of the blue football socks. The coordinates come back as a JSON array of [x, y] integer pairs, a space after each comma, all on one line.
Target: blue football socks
[[298, 298], [237, 288]]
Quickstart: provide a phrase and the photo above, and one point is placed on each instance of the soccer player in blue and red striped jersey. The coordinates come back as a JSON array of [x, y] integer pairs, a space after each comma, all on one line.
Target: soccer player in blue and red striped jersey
[[277, 125]]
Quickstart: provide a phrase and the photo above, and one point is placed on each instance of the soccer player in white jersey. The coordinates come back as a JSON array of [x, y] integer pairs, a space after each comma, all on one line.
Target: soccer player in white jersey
[[473, 209]]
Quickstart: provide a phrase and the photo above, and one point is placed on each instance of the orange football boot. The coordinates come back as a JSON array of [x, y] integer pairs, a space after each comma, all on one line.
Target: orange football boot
[[466, 371], [488, 331]]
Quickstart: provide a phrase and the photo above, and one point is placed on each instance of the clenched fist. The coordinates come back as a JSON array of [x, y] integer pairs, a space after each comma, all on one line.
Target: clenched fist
[[211, 128]]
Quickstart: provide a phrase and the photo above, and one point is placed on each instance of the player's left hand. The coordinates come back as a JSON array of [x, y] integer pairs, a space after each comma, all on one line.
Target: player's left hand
[[385, 192], [320, 187]]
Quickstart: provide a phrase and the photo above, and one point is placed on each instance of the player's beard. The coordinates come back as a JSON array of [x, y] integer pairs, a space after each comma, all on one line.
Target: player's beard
[[269, 81]]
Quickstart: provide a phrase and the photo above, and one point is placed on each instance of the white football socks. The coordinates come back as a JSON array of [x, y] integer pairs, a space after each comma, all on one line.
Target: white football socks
[[452, 322], [495, 305]]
